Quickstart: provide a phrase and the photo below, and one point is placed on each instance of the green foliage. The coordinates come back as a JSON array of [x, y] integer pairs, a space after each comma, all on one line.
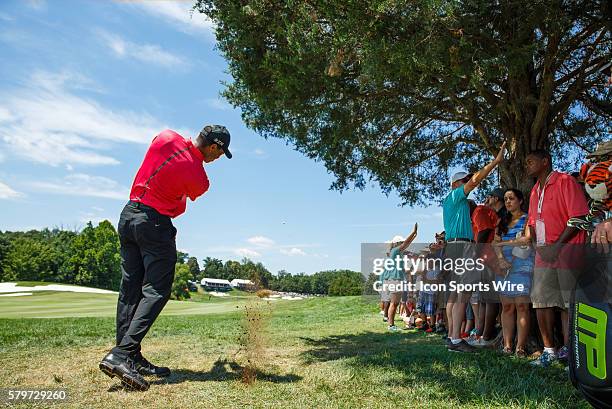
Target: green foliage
[[89, 258], [399, 92], [181, 257], [346, 283], [194, 268], [368, 288], [334, 282], [95, 258], [182, 274], [213, 268]]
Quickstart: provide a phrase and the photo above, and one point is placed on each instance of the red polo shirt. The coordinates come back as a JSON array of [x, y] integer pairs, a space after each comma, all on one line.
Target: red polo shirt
[[563, 199], [171, 171]]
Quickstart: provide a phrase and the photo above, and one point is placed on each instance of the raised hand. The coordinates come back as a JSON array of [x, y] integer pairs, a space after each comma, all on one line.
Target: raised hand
[[500, 154]]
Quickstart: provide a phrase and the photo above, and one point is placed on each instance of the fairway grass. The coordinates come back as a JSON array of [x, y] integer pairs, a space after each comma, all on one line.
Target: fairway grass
[[59, 304], [328, 352]]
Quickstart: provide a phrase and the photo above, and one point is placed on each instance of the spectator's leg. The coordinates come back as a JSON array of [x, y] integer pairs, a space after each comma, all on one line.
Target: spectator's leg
[[477, 320], [565, 326], [450, 305], [395, 301], [523, 322], [546, 320], [508, 321], [458, 315], [490, 317]]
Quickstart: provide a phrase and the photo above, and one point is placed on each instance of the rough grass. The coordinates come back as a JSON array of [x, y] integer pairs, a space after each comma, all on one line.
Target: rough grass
[[325, 352]]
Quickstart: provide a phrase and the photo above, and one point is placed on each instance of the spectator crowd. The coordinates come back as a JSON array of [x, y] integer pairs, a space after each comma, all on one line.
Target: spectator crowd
[[532, 244]]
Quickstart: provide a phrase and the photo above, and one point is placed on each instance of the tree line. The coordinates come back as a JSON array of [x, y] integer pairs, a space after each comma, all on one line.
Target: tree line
[[91, 258]]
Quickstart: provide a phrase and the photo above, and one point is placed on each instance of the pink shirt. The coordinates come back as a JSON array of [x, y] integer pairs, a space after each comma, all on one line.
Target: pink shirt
[[563, 199], [171, 171]]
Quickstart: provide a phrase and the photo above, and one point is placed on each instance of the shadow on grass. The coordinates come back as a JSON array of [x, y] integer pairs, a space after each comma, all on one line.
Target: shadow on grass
[[482, 377], [223, 371]]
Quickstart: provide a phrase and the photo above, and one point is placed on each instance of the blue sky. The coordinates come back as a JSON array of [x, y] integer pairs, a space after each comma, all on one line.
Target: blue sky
[[86, 85]]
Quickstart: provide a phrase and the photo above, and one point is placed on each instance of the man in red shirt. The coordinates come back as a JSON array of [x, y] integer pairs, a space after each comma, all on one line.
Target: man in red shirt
[[170, 172], [555, 198]]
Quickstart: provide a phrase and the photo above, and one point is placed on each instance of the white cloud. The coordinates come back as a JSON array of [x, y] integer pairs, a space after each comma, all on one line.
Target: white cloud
[[261, 241], [6, 192], [148, 53], [79, 184], [294, 251], [218, 103], [94, 216], [6, 17], [260, 153], [46, 122], [244, 252], [178, 14], [38, 5]]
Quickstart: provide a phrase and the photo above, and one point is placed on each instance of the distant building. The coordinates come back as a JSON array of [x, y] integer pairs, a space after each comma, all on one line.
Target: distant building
[[244, 285], [215, 284]]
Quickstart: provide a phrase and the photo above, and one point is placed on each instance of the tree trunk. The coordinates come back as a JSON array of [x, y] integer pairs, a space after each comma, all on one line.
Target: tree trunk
[[513, 173]]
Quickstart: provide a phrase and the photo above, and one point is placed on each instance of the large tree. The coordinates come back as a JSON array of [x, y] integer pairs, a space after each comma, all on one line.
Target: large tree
[[400, 92]]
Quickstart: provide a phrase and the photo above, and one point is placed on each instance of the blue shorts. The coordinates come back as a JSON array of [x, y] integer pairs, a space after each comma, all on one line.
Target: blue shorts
[[515, 278], [469, 312]]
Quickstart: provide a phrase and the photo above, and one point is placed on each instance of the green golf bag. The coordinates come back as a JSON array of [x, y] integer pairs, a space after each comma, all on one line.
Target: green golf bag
[[590, 357]]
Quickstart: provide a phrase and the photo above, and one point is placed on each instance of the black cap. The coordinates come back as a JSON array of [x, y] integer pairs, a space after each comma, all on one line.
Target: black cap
[[498, 193], [218, 134]]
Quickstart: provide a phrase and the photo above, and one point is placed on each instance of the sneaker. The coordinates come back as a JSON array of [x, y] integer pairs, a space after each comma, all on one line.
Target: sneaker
[[385, 319], [382, 313], [145, 367], [124, 369], [464, 335], [392, 328], [544, 360], [461, 347], [563, 354], [480, 342], [429, 330], [440, 329]]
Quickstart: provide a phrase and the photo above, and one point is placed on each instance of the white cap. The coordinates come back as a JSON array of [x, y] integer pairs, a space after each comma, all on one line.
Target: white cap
[[396, 239], [458, 176]]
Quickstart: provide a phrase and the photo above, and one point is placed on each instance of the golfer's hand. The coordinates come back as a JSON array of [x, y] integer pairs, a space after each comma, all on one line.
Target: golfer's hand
[[602, 236], [500, 155]]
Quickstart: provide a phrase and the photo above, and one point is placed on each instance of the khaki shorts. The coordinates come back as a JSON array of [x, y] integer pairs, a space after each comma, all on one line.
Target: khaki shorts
[[460, 251], [552, 287], [394, 296]]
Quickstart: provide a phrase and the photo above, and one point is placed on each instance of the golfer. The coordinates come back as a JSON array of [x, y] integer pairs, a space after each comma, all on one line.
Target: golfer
[[170, 172]]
